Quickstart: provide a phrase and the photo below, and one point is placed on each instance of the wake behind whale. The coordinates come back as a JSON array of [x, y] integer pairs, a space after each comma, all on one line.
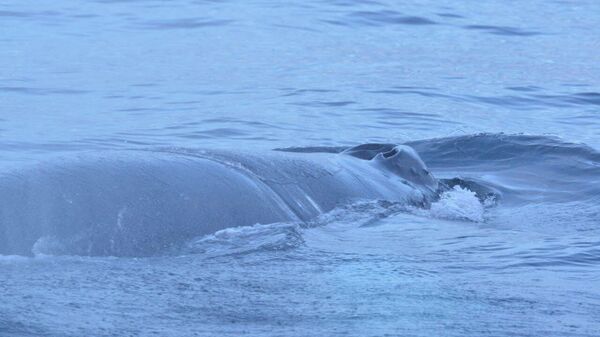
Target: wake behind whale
[[138, 203]]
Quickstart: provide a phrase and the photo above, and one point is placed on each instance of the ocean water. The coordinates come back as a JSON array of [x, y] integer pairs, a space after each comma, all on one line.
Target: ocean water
[[504, 95]]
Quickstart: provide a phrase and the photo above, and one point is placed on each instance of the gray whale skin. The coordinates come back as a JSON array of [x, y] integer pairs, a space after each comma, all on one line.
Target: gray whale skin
[[137, 203]]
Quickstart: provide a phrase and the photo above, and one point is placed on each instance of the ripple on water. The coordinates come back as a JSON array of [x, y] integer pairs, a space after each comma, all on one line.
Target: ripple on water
[[187, 23]]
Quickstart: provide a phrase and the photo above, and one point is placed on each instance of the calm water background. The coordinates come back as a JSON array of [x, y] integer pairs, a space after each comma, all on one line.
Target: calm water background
[[257, 75]]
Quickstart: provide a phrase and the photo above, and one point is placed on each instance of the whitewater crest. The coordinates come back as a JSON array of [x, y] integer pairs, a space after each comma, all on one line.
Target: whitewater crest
[[460, 203]]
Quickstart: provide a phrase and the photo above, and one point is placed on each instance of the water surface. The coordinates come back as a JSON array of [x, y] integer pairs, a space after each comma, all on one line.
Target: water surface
[[503, 93]]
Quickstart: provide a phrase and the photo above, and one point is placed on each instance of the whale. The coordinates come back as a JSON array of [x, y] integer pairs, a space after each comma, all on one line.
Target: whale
[[140, 202]]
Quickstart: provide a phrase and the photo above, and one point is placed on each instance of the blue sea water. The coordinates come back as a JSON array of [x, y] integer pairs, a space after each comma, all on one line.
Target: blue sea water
[[502, 93]]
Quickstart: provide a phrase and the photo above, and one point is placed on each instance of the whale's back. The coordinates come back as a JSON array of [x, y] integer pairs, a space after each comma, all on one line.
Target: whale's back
[[129, 203]]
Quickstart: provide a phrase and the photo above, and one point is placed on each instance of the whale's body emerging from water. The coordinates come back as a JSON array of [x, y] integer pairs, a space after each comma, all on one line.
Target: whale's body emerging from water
[[135, 203]]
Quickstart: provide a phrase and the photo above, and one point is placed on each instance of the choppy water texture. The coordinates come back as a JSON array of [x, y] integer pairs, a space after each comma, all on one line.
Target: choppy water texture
[[504, 94]]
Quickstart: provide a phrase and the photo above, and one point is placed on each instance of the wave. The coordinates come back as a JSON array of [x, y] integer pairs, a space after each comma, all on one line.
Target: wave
[[524, 168], [489, 148]]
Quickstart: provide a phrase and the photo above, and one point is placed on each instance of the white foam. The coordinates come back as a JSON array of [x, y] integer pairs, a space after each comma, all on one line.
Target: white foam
[[245, 239], [458, 204]]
